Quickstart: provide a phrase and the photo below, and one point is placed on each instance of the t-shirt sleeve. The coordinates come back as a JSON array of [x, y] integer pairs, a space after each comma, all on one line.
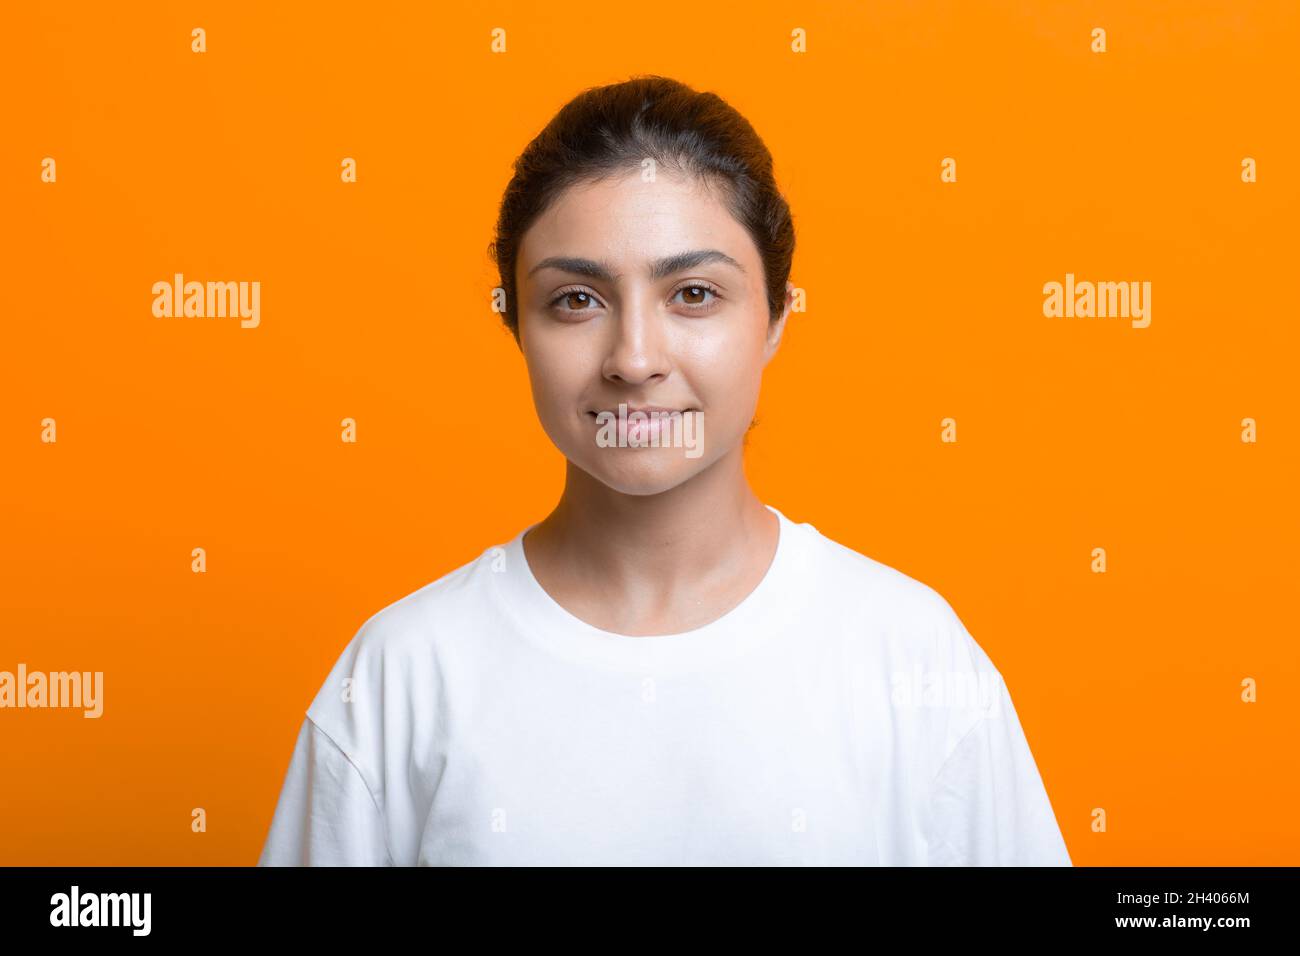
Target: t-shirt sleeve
[[326, 814], [988, 803]]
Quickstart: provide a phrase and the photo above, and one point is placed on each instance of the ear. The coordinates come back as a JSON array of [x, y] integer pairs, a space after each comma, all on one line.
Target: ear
[[777, 327]]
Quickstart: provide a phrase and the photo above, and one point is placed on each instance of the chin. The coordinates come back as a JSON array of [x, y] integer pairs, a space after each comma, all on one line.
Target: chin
[[634, 472]]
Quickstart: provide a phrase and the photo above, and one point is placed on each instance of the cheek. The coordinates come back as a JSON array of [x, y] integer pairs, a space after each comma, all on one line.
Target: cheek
[[729, 369], [556, 375]]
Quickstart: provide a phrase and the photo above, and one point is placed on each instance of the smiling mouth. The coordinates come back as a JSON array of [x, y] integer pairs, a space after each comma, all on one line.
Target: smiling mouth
[[648, 411]]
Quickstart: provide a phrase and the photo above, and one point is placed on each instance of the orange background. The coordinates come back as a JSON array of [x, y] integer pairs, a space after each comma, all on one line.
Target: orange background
[[925, 301]]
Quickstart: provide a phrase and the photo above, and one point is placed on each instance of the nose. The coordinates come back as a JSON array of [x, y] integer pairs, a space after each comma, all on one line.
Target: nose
[[639, 347]]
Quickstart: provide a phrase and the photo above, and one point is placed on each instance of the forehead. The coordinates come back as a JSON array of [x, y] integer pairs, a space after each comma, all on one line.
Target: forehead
[[626, 219]]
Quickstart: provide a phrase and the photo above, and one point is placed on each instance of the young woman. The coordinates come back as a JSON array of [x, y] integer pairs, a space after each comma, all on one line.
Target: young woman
[[663, 670]]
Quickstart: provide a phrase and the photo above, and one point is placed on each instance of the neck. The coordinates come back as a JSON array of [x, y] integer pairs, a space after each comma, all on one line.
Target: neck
[[703, 529]]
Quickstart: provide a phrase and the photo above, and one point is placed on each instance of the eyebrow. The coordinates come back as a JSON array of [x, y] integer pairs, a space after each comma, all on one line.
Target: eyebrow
[[659, 268]]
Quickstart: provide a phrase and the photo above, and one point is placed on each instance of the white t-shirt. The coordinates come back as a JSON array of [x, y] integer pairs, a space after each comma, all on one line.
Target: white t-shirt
[[840, 715]]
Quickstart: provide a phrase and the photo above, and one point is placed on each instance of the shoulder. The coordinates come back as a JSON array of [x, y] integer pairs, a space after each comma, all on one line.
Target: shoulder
[[906, 641], [918, 665], [410, 625], [391, 662], [885, 589], [888, 605]]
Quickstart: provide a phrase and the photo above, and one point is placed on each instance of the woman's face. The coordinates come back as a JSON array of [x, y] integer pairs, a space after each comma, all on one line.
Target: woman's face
[[651, 295]]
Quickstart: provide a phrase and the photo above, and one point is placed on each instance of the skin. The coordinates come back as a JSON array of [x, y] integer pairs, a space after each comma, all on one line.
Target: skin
[[647, 541]]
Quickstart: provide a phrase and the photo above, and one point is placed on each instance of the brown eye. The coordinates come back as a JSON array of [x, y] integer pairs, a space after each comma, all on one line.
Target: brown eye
[[573, 300], [698, 298]]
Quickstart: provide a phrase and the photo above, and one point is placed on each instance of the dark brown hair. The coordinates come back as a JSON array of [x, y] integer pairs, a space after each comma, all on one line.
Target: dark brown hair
[[610, 129]]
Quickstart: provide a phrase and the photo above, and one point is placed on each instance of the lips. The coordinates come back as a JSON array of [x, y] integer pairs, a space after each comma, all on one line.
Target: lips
[[647, 409], [653, 425]]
